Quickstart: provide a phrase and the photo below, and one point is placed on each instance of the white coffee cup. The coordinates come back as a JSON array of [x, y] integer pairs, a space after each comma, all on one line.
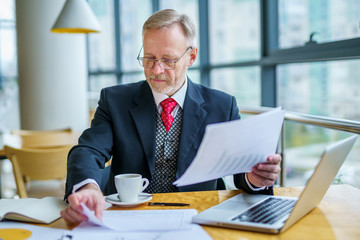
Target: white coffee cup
[[129, 186]]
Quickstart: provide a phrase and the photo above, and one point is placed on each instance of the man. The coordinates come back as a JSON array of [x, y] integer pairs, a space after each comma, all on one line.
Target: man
[[142, 134]]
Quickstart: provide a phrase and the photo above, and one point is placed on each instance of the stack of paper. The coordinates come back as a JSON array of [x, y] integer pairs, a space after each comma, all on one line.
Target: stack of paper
[[234, 147]]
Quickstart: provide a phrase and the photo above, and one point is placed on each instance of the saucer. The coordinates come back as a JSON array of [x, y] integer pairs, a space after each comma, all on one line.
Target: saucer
[[142, 198]]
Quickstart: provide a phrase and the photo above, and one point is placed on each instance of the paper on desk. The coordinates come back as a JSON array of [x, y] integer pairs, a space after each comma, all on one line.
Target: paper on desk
[[48, 233], [234, 147], [195, 233], [92, 219], [141, 220]]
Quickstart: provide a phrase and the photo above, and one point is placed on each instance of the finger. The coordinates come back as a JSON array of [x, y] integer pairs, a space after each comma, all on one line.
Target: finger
[[263, 167], [267, 171], [74, 201], [96, 202], [99, 207], [260, 181], [77, 208], [274, 159], [266, 175], [71, 216]]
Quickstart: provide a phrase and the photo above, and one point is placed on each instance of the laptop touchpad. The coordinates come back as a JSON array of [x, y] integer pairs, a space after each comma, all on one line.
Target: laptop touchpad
[[241, 201]]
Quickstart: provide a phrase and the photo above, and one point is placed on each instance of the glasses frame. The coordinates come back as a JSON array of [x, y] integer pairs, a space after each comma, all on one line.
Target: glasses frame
[[140, 59]]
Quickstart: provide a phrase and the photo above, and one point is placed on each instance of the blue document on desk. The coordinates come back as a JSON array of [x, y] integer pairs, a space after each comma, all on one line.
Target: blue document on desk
[[234, 147]]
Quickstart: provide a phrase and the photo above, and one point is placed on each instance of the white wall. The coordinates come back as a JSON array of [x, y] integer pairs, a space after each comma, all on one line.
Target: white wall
[[52, 69]]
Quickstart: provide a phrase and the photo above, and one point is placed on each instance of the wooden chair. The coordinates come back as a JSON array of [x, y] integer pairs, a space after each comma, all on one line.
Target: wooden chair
[[36, 165]]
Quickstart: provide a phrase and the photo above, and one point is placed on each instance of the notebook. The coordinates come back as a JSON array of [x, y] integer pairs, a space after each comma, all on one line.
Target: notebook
[[256, 213]]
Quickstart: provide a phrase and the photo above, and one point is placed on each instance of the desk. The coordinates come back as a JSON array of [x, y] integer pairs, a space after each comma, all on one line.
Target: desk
[[336, 217]]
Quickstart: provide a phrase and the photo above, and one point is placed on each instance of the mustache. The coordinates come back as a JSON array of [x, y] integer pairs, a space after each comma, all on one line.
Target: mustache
[[160, 77]]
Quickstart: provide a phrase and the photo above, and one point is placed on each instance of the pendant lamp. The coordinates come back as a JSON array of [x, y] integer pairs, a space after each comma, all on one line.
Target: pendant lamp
[[76, 17]]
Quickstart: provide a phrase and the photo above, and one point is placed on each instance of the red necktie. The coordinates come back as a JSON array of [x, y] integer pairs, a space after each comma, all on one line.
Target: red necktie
[[167, 105]]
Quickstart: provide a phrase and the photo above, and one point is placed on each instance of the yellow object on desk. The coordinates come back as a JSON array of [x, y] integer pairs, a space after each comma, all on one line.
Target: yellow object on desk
[[14, 234]]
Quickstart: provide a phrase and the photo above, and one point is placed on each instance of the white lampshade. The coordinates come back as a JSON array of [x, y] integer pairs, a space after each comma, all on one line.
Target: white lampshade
[[76, 17]]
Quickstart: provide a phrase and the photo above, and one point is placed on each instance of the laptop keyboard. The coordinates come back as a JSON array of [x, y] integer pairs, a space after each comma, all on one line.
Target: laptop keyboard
[[268, 211]]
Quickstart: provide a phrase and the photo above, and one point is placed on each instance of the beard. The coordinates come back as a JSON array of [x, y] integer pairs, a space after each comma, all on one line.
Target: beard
[[168, 86], [163, 87]]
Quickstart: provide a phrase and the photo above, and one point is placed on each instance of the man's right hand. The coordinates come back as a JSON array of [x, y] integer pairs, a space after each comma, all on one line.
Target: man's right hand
[[91, 196]]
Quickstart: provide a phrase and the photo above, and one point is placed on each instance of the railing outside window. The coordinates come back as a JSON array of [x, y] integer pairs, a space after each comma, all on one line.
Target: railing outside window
[[343, 127]]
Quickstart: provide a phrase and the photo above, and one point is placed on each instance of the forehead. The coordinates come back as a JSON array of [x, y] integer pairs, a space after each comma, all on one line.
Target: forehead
[[164, 41]]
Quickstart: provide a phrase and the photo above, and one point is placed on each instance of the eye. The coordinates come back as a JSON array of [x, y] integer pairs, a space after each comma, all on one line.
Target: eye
[[167, 60]]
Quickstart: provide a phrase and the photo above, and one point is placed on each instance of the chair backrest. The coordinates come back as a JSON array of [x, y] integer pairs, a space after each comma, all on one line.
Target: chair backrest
[[49, 140], [37, 164], [22, 132]]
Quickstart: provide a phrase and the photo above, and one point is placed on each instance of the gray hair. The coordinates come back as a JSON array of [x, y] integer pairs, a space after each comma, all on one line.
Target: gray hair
[[168, 17]]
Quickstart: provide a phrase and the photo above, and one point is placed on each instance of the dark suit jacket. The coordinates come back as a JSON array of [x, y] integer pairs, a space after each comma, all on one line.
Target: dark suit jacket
[[124, 128]]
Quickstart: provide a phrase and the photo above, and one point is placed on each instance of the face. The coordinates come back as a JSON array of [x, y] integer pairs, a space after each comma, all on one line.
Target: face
[[169, 44]]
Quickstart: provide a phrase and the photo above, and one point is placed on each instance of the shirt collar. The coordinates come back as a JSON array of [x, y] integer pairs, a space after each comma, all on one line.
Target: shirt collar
[[179, 96]]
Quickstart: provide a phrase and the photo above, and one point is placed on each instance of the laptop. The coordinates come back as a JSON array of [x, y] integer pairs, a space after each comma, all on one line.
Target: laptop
[[275, 214]]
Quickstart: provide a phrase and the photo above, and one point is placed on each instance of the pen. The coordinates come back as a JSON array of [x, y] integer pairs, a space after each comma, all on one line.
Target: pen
[[168, 204]]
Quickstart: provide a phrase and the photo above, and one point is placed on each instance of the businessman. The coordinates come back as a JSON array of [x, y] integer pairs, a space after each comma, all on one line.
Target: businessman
[[154, 127]]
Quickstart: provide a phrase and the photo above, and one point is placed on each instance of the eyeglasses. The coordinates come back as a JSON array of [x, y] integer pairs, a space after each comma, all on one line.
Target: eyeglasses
[[167, 64]]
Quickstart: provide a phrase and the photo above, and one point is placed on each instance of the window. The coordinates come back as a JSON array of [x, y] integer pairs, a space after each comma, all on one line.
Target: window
[[9, 92], [319, 78], [259, 52], [102, 52], [243, 83], [190, 8], [234, 31], [133, 14], [330, 21], [329, 89]]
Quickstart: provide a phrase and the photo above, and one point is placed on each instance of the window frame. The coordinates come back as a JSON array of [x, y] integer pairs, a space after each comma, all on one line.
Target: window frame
[[270, 54]]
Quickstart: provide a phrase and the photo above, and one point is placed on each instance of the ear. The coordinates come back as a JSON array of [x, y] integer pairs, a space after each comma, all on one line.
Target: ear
[[193, 55]]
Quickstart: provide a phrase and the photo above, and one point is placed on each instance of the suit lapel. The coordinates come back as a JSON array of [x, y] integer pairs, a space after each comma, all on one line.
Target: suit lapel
[[144, 116], [193, 118]]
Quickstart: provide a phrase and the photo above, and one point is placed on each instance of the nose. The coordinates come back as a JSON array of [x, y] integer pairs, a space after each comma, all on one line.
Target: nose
[[157, 69]]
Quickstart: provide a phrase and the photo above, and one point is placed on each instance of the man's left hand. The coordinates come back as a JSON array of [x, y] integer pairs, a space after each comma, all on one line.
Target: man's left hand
[[266, 173]]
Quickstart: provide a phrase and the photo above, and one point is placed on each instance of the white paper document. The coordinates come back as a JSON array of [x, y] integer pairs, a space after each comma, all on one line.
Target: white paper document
[[94, 233], [234, 147], [195, 233], [140, 224], [142, 220]]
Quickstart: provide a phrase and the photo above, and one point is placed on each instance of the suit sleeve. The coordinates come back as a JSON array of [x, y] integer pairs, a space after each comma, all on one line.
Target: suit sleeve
[[95, 148], [240, 183]]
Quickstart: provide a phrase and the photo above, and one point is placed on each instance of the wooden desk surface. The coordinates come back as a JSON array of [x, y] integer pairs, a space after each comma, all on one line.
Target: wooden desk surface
[[336, 217]]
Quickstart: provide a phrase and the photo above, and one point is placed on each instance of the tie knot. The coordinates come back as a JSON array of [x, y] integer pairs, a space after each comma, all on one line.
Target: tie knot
[[168, 105]]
